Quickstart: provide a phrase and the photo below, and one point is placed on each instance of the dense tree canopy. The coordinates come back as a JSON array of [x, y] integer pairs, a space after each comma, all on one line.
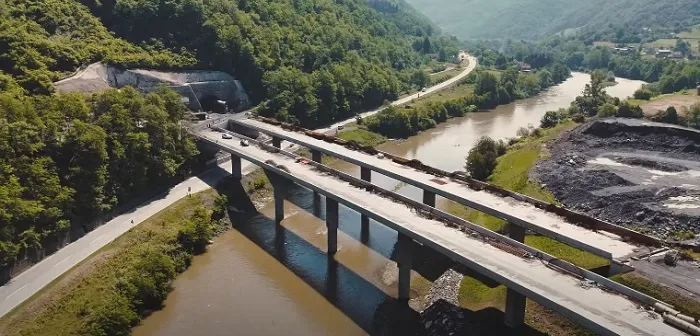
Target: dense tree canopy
[[65, 159]]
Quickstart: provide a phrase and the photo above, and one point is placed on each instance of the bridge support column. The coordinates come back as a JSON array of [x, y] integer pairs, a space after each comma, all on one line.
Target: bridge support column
[[515, 309], [332, 225], [365, 175], [236, 167], [277, 142], [404, 259], [516, 232], [279, 191], [316, 156], [429, 198]]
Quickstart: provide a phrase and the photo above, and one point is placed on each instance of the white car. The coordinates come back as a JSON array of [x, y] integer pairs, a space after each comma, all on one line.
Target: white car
[[423, 89], [226, 136]]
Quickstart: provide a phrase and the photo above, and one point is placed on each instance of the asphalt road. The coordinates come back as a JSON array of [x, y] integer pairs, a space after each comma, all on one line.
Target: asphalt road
[[23, 286]]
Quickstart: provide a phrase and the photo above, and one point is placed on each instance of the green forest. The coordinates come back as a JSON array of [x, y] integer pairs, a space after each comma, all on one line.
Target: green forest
[[67, 159], [533, 19]]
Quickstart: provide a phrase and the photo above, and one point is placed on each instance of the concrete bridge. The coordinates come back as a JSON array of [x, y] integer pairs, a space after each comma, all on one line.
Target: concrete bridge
[[584, 297]]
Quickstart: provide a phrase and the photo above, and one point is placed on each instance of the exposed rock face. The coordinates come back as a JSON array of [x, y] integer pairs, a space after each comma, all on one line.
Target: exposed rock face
[[194, 86]]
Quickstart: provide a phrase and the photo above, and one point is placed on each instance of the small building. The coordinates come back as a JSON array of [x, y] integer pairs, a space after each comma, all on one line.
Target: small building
[[622, 51], [524, 67], [663, 53]]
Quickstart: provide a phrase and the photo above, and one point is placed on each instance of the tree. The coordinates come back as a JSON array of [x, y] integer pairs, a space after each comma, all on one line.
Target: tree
[[481, 160], [550, 119], [682, 46], [694, 116], [545, 78], [669, 116], [643, 94]]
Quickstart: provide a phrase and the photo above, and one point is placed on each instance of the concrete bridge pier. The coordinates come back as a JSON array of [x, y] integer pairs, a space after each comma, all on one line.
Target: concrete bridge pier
[[332, 225], [279, 191], [516, 233], [515, 309], [365, 175], [277, 142], [404, 258], [316, 157], [515, 302], [236, 167], [429, 198]]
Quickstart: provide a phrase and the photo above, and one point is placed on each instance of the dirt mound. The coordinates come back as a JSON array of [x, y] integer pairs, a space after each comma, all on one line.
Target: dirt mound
[[630, 172]]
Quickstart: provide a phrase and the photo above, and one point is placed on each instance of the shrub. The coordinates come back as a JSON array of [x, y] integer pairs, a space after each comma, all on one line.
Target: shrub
[[523, 132], [220, 203], [196, 231], [627, 110], [643, 94], [550, 119], [578, 117], [694, 116], [607, 110], [537, 132], [669, 116], [112, 316], [481, 160]]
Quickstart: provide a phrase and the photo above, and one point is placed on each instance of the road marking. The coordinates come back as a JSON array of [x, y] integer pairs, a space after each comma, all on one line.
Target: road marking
[[68, 257], [96, 239], [15, 292]]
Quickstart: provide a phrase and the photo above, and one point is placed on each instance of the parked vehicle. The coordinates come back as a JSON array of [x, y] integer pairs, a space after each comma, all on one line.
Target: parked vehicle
[[226, 136]]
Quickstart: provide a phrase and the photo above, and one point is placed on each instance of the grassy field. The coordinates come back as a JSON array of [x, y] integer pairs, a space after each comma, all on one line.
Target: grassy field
[[680, 100], [64, 306], [362, 136]]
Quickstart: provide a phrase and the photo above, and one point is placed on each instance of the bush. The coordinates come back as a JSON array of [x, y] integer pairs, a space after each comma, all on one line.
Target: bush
[[523, 132], [607, 110], [220, 204], [669, 116], [694, 116], [481, 160], [643, 94], [113, 316], [550, 119], [627, 110], [196, 231], [579, 118]]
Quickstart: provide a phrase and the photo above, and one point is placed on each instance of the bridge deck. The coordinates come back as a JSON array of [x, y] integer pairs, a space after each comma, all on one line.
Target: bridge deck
[[604, 244], [601, 311]]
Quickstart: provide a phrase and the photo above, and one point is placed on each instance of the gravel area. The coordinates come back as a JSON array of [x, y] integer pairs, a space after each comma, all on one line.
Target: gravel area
[[446, 287], [629, 172]]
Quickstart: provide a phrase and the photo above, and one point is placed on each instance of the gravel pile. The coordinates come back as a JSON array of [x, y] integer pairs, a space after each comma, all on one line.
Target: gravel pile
[[631, 173]]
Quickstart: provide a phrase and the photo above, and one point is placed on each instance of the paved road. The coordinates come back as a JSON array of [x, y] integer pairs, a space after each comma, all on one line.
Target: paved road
[[34, 279], [470, 67]]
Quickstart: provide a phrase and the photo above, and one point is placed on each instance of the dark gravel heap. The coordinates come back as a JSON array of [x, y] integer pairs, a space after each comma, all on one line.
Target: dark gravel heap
[[602, 193]]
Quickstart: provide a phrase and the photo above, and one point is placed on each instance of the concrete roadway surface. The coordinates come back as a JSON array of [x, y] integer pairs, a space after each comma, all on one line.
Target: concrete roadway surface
[[34, 279], [604, 312]]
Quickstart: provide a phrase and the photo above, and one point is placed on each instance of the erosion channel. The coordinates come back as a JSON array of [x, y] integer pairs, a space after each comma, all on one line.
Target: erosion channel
[[259, 280]]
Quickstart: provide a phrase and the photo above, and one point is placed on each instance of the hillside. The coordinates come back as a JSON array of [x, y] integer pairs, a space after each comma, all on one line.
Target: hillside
[[531, 19], [69, 160]]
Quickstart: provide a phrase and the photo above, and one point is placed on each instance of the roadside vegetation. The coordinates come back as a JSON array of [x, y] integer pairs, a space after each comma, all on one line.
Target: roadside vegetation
[[111, 291]]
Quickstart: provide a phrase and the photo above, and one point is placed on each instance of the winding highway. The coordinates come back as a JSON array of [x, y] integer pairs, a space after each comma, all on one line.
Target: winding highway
[[31, 281]]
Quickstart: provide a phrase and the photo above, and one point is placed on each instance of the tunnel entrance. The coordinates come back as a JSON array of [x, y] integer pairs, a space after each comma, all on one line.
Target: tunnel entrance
[[212, 103]]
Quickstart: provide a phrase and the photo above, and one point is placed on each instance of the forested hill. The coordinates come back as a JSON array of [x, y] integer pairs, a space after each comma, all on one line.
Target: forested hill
[[531, 19], [68, 160], [308, 56]]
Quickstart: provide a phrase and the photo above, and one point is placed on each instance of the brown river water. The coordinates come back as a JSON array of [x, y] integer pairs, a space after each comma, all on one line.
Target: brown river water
[[257, 279]]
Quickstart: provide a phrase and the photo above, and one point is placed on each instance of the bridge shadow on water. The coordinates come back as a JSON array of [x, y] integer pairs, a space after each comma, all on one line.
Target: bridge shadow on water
[[357, 297]]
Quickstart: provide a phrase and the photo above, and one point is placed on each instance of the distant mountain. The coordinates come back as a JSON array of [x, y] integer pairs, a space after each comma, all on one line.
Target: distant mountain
[[531, 19]]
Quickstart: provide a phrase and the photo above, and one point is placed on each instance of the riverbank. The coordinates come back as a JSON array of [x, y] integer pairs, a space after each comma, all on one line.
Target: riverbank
[[98, 294]]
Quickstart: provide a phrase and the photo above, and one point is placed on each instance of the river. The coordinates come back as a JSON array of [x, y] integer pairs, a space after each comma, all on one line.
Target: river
[[261, 280]]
